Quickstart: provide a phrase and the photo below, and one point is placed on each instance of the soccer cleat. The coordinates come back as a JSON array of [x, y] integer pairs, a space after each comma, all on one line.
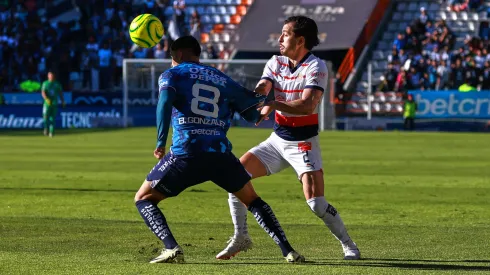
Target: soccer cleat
[[235, 245], [351, 252], [45, 132], [294, 257], [175, 255], [50, 135]]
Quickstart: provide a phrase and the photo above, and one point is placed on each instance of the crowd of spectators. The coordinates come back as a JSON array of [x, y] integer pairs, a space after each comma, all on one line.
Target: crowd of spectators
[[86, 53], [423, 56]]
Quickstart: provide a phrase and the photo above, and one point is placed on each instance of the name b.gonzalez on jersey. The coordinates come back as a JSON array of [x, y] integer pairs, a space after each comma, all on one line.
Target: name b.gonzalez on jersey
[[204, 104]]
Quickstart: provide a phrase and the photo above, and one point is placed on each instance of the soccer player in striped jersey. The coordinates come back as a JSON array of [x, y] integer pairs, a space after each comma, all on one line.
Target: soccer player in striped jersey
[[298, 79]]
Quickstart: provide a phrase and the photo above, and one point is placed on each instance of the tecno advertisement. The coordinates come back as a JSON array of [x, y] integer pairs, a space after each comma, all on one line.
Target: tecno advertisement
[[30, 117], [452, 104], [339, 22]]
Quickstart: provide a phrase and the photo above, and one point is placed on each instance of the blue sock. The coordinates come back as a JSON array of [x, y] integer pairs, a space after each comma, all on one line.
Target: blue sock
[[155, 220], [267, 220]]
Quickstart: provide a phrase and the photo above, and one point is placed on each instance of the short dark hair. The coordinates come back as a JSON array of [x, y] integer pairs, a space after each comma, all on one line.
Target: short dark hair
[[187, 43], [306, 27]]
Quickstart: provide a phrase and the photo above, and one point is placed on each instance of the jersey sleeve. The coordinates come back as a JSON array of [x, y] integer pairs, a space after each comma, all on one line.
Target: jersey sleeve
[[43, 86], [245, 102], [316, 77], [166, 97], [269, 69], [166, 81]]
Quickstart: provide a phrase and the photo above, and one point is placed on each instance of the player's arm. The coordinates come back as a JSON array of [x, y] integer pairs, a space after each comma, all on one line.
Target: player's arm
[[166, 98], [44, 94], [304, 106], [316, 81], [62, 97]]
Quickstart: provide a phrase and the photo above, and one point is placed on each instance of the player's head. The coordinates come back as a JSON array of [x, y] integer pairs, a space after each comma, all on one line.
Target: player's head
[[299, 34], [185, 48], [51, 76]]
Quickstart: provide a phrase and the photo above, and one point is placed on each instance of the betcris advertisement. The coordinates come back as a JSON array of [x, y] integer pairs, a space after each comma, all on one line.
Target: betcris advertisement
[[452, 104]]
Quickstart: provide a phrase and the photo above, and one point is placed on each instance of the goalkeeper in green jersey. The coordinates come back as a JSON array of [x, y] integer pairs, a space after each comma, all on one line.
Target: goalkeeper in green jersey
[[51, 90]]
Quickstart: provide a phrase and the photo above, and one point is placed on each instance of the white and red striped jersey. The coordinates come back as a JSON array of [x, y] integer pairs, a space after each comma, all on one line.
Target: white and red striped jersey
[[288, 84]]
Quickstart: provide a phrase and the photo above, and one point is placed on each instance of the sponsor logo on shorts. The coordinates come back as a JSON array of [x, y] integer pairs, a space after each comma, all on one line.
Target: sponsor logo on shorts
[[304, 146]]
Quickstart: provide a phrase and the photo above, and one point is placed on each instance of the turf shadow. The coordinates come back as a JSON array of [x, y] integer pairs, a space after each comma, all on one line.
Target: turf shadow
[[431, 261]]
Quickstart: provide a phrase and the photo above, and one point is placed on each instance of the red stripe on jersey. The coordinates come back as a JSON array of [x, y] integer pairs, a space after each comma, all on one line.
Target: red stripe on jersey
[[296, 121], [280, 63], [288, 91]]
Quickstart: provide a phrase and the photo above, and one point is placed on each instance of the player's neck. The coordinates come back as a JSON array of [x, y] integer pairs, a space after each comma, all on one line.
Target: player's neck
[[294, 61]]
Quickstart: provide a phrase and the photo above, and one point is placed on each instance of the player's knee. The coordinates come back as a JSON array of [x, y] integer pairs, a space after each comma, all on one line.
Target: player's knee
[[144, 193], [319, 206]]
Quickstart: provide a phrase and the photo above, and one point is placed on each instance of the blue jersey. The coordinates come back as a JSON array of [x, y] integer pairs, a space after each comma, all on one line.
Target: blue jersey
[[200, 101]]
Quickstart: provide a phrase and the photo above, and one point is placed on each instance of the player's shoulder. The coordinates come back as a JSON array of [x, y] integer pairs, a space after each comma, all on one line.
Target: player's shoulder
[[316, 63], [279, 60]]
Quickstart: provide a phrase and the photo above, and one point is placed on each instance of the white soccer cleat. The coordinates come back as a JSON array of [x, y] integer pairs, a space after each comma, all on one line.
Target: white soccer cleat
[[175, 255], [294, 257], [235, 245], [351, 252]]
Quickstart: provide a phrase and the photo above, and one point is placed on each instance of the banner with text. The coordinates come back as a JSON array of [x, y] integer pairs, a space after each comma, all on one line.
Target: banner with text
[[339, 22], [452, 104]]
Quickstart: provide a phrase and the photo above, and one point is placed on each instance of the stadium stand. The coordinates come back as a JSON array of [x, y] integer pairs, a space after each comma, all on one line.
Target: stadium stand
[[435, 45], [36, 36]]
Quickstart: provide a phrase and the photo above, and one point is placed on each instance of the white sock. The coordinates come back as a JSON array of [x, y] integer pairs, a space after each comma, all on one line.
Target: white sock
[[330, 217], [238, 213]]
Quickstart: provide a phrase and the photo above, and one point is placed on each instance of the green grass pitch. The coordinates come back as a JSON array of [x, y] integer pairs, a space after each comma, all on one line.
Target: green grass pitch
[[416, 203]]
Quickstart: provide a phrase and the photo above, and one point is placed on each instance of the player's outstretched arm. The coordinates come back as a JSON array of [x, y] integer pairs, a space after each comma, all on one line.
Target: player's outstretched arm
[[264, 86], [304, 106], [164, 114]]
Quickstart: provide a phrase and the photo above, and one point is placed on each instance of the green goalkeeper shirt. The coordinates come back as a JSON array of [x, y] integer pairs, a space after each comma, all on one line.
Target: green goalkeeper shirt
[[52, 90]]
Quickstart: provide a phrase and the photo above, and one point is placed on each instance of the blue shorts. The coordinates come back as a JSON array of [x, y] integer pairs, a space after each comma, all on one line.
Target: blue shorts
[[173, 174]]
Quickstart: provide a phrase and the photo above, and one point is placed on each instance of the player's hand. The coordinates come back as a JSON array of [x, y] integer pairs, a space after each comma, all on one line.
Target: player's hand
[[265, 111], [159, 152], [48, 101]]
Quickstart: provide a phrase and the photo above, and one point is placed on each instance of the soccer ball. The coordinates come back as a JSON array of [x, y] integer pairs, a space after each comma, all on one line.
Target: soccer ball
[[146, 30]]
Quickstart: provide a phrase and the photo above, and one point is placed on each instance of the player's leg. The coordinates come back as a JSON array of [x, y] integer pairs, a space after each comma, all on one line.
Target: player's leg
[[46, 118], [166, 179], [260, 161], [235, 179], [146, 200], [305, 158], [52, 120]]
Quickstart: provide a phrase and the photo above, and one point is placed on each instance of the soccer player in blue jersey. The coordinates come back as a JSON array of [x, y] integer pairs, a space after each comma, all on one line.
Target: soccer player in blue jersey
[[199, 102]]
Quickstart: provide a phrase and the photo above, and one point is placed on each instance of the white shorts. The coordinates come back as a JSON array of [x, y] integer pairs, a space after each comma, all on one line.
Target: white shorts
[[277, 154]]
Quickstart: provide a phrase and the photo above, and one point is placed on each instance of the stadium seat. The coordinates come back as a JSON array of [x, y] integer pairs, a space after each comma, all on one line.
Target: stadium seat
[[379, 96], [230, 10], [412, 6], [375, 107], [382, 45], [453, 16], [205, 19], [388, 36], [402, 6], [211, 10], [475, 17], [201, 10], [408, 16], [221, 10], [220, 2], [246, 2], [379, 55], [392, 27], [387, 107], [225, 37], [214, 38], [398, 108], [433, 7], [397, 16], [225, 19], [204, 38], [216, 19], [383, 65], [236, 19], [241, 10], [190, 10]]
